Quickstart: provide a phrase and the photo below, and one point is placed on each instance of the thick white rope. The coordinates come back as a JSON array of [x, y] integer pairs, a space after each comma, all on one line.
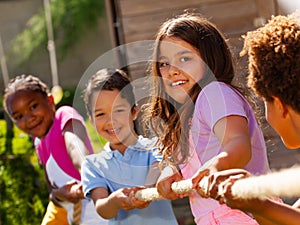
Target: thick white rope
[[150, 194], [180, 187], [284, 183]]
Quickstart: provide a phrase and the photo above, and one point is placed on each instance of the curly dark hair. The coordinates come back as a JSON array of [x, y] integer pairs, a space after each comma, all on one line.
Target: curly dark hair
[[274, 56], [25, 83]]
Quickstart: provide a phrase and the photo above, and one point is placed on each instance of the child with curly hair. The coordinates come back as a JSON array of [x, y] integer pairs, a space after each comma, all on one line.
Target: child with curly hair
[[61, 142], [274, 75]]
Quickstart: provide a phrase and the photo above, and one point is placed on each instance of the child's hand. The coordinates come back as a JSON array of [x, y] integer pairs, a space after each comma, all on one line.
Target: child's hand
[[226, 197], [134, 201], [71, 192], [199, 175], [207, 183], [125, 199], [222, 179], [169, 175]]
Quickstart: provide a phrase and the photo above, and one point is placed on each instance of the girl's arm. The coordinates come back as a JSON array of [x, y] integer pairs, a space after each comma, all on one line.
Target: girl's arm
[[233, 133], [169, 175], [75, 136]]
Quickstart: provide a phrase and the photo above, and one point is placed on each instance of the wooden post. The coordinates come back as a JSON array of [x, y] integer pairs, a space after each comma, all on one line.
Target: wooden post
[[9, 124]]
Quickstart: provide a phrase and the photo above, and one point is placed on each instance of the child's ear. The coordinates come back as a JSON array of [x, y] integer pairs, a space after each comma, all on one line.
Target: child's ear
[[281, 107], [135, 113], [51, 99]]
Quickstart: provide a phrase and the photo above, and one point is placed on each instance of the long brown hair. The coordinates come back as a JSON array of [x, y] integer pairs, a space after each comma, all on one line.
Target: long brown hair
[[168, 119]]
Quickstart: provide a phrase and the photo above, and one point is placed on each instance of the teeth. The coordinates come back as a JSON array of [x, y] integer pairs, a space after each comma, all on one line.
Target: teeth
[[178, 83], [113, 131]]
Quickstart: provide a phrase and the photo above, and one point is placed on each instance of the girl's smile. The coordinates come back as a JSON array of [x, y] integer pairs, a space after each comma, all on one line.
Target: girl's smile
[[180, 66], [32, 112]]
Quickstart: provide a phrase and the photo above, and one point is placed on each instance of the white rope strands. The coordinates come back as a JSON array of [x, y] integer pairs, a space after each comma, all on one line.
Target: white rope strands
[[180, 187], [283, 183], [150, 194]]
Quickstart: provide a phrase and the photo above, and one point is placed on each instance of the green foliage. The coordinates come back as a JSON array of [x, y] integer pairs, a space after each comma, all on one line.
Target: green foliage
[[2, 136], [70, 18], [97, 141], [33, 37], [23, 190], [68, 99], [21, 143]]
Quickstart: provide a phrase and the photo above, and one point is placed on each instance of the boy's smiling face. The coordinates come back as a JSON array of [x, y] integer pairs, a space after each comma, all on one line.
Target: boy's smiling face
[[32, 112], [113, 118]]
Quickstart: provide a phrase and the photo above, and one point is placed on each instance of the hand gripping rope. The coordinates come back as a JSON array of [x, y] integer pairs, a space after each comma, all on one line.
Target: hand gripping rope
[[180, 187], [284, 183]]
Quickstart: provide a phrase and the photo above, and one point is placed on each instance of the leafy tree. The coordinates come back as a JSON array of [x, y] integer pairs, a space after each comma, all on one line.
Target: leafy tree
[[70, 18]]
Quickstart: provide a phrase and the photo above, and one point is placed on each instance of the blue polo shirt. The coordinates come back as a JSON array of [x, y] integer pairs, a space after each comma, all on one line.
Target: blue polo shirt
[[112, 170]]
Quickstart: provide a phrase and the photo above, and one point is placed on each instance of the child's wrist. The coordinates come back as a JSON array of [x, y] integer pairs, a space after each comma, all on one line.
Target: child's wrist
[[56, 200]]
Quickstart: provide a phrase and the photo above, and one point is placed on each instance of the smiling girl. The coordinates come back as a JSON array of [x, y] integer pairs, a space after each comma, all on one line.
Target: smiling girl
[[199, 115], [61, 142]]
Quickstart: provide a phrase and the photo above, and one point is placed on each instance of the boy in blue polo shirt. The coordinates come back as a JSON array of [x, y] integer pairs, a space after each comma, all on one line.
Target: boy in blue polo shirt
[[112, 177]]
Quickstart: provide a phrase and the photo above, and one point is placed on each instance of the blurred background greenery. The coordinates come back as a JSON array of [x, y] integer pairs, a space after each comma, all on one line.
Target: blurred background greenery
[[23, 191]]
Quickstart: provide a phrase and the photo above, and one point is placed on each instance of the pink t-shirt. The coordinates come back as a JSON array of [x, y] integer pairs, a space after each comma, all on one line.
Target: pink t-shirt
[[53, 155], [216, 101], [52, 150]]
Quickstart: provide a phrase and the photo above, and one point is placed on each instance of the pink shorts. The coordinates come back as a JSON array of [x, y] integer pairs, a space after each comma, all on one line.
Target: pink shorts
[[226, 216]]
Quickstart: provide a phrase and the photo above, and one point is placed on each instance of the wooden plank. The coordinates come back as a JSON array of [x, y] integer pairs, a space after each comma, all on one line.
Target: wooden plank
[[134, 7], [266, 8], [230, 20], [141, 20], [230, 27]]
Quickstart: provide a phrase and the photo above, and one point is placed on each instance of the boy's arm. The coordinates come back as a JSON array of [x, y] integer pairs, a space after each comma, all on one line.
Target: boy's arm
[[266, 212], [272, 212], [108, 205]]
